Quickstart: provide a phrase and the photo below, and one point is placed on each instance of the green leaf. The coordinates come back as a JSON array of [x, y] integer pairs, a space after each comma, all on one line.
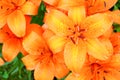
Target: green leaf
[[38, 19], [116, 27], [15, 70]]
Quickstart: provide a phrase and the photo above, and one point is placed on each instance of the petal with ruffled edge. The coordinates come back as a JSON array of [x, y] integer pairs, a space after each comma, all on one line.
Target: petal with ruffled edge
[[68, 4], [96, 25], [97, 49], [29, 8], [75, 55], [17, 24], [115, 16], [58, 22], [9, 49], [85, 74], [61, 69], [3, 20], [44, 72], [57, 43], [33, 43], [52, 2], [115, 61], [77, 14], [110, 77], [31, 61], [100, 5]]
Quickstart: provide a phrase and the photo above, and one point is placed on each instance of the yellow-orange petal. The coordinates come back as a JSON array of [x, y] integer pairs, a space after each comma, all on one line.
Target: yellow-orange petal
[[31, 61], [100, 5], [48, 34], [71, 76], [107, 44], [3, 20], [110, 77], [97, 49], [52, 2], [61, 70], [17, 24], [115, 16], [44, 72], [56, 43], [96, 25], [58, 22], [77, 14], [108, 33], [33, 43], [75, 55], [1, 62], [115, 61], [68, 4], [29, 8], [10, 49]]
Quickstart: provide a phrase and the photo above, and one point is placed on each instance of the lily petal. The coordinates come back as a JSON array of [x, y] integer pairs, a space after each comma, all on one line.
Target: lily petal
[[115, 61], [33, 43], [30, 61], [77, 14], [97, 49], [71, 76], [56, 43], [75, 55], [68, 4], [60, 70], [3, 20], [100, 5], [17, 24], [52, 2], [58, 22], [9, 49], [43, 72], [96, 25], [110, 77], [29, 8], [115, 16]]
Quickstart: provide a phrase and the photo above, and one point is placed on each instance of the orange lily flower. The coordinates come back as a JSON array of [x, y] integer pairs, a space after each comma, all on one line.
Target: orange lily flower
[[115, 40], [77, 35], [95, 6], [99, 70], [12, 12], [41, 59], [10, 41]]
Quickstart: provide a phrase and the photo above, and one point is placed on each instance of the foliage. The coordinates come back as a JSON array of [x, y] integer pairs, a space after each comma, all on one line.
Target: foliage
[[38, 19]]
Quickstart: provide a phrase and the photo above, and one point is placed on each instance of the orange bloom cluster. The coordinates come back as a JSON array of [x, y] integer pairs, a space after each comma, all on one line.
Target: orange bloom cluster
[[77, 38]]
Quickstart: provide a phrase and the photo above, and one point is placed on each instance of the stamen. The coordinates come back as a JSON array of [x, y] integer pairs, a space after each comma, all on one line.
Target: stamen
[[104, 78], [7, 8], [1, 7], [72, 40], [104, 4]]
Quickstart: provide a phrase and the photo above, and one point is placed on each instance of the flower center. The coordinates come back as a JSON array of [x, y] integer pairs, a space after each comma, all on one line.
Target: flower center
[[76, 34], [45, 56], [96, 70], [8, 7]]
